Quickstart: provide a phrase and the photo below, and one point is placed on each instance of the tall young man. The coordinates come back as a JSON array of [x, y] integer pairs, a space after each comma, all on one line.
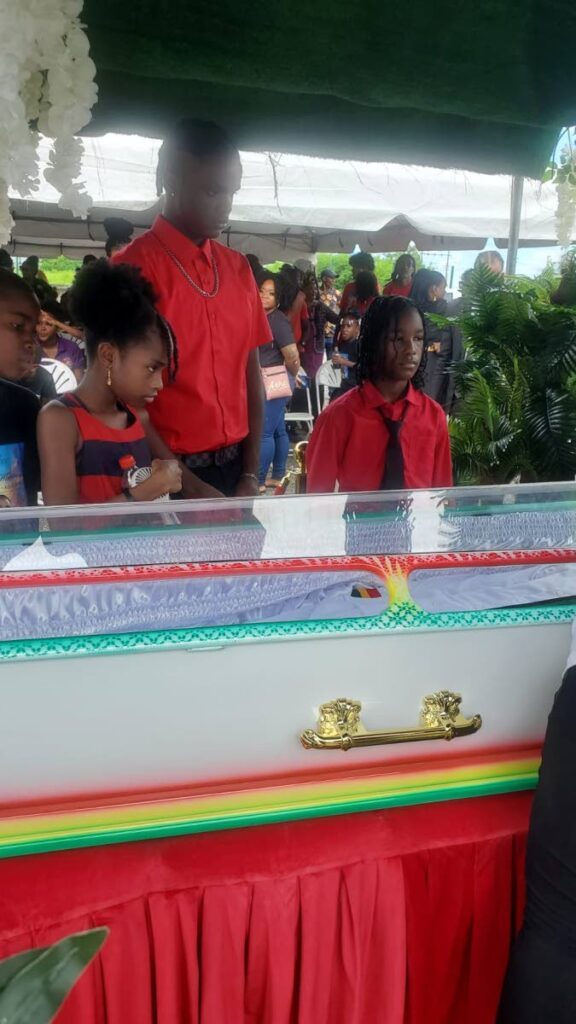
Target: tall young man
[[211, 413]]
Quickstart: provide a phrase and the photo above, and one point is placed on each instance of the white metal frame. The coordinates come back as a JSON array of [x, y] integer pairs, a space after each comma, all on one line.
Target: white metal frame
[[303, 417]]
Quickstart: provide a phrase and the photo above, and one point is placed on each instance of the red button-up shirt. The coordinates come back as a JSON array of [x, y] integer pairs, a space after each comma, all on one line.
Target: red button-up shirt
[[349, 443], [205, 407]]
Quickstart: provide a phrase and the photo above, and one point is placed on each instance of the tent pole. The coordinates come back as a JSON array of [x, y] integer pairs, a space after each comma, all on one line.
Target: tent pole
[[515, 217]]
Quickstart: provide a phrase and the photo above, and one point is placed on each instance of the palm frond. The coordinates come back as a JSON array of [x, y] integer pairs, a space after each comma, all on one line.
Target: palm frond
[[559, 349], [551, 422], [517, 384], [480, 402]]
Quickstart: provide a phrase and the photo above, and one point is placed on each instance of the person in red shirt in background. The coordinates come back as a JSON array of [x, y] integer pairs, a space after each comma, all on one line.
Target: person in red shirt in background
[[210, 415], [385, 434], [359, 261], [401, 281], [362, 296]]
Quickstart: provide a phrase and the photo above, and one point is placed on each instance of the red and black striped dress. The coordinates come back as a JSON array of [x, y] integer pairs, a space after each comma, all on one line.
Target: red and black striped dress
[[98, 459]]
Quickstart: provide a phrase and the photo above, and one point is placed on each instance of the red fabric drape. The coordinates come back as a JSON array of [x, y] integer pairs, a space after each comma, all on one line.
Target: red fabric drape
[[389, 917]]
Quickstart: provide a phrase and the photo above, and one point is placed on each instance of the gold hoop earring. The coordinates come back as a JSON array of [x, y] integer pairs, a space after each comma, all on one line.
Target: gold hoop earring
[[109, 377]]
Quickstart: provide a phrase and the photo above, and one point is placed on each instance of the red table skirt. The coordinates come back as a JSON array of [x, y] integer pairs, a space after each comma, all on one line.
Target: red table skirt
[[390, 917]]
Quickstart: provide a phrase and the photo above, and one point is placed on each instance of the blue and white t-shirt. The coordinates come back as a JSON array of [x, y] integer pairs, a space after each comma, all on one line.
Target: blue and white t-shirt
[[19, 469]]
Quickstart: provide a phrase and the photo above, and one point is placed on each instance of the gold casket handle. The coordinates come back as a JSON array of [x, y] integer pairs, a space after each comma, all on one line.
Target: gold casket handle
[[339, 726]]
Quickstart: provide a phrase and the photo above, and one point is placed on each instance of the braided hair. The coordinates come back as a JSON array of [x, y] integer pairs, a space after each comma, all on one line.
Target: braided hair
[[381, 320], [404, 263], [115, 303]]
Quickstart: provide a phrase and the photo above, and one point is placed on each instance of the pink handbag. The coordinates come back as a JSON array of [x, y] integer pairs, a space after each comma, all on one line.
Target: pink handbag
[[276, 382]]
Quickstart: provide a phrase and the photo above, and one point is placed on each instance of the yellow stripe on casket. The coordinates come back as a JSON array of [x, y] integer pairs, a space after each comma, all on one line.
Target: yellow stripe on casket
[[152, 818]]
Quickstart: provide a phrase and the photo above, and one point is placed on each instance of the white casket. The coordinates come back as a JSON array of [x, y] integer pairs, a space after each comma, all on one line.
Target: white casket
[[210, 665]]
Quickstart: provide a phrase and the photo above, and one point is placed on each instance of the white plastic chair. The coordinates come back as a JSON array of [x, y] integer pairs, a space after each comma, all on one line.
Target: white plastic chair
[[327, 378], [63, 377], [306, 416]]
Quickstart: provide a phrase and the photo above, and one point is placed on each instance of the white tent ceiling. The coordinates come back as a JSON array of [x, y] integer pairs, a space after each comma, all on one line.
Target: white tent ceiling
[[292, 206]]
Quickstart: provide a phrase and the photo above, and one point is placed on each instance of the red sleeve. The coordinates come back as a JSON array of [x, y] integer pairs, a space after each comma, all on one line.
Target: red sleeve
[[132, 254], [260, 333], [442, 456], [388, 289], [323, 454]]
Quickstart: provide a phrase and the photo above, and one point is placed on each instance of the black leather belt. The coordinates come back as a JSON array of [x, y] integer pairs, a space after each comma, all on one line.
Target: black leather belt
[[220, 457]]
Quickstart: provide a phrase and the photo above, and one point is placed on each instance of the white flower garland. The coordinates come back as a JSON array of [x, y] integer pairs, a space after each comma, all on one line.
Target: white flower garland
[[46, 85]]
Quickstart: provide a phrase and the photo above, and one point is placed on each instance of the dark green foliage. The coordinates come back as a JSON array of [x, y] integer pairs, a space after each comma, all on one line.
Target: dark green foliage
[[517, 414], [34, 984]]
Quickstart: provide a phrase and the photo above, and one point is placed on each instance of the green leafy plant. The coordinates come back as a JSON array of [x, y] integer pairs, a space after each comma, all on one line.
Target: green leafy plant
[[517, 413], [59, 270], [338, 261], [34, 984]]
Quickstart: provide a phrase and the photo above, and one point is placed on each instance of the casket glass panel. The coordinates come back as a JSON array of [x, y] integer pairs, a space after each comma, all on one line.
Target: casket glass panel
[[101, 570]]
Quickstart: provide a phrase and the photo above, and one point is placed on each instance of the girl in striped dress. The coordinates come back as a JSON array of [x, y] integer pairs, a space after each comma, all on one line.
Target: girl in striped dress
[[83, 436]]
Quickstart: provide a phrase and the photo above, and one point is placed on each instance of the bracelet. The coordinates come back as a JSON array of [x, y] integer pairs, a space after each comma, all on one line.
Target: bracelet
[[128, 494], [249, 476]]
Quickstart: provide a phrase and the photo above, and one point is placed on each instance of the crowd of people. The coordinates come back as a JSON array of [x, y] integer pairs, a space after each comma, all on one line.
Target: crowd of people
[[184, 354]]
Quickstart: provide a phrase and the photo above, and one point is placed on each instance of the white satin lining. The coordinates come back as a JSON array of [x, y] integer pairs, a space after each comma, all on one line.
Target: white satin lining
[[478, 589], [74, 610], [34, 613]]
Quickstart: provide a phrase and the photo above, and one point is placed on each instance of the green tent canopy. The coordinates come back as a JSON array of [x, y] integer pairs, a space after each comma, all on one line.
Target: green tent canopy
[[484, 86]]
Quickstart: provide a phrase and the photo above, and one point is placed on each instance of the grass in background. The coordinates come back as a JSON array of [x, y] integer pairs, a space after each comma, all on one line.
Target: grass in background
[[60, 271], [61, 279]]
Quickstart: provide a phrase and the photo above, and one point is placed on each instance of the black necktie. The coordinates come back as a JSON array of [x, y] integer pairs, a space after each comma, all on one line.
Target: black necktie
[[393, 478]]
